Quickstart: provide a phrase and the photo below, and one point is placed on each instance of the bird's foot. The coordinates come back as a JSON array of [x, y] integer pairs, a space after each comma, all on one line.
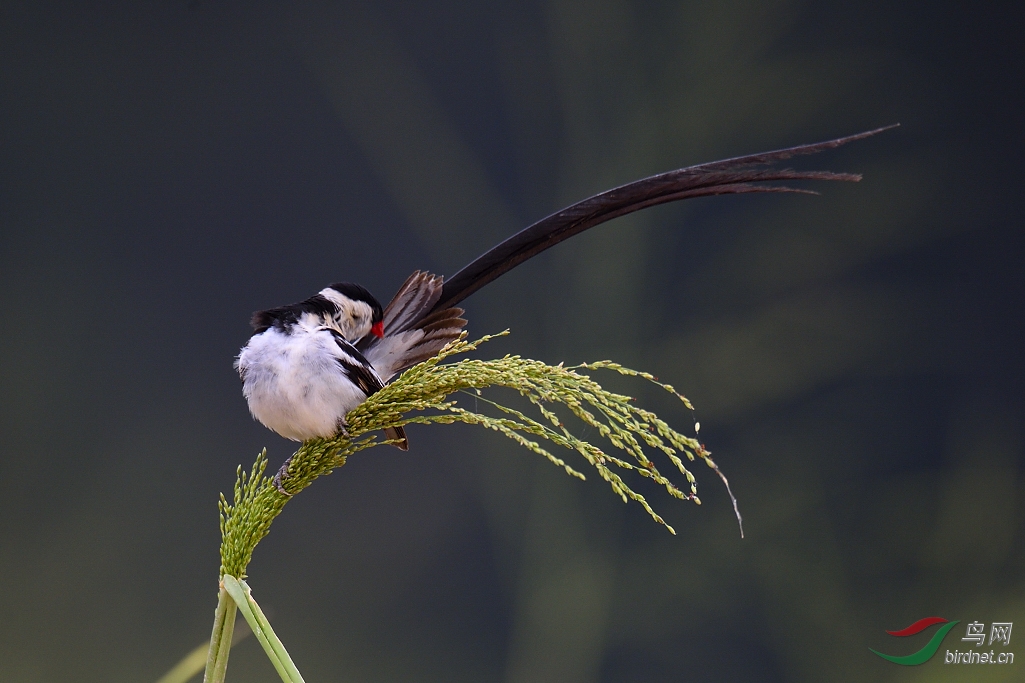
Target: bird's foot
[[281, 475]]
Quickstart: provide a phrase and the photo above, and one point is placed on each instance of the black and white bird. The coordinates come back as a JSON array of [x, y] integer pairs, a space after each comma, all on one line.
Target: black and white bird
[[302, 372], [310, 363]]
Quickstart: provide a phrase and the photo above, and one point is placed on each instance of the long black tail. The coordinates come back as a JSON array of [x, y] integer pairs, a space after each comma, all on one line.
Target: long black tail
[[729, 176]]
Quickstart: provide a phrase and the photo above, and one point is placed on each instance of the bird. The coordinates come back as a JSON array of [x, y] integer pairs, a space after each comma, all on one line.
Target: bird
[[309, 363], [300, 372]]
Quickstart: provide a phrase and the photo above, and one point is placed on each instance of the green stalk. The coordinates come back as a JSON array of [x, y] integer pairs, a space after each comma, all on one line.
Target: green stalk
[[279, 647], [272, 645], [220, 639]]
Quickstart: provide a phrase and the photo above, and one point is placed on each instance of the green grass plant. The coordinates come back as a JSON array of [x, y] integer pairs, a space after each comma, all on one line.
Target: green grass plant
[[424, 394]]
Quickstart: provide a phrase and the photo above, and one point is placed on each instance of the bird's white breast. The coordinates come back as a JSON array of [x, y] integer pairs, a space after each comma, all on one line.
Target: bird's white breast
[[294, 384]]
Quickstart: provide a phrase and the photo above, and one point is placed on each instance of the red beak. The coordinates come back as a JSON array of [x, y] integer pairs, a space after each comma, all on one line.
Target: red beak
[[378, 330]]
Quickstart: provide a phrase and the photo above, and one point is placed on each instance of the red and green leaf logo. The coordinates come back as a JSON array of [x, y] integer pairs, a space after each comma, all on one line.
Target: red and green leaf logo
[[926, 653]]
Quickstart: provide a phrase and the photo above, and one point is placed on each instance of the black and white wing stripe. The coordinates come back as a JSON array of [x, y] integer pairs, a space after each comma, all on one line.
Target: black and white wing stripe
[[357, 368], [360, 371]]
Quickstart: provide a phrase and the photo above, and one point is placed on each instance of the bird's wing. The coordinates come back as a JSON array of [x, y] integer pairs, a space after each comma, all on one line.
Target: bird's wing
[[355, 366], [364, 375]]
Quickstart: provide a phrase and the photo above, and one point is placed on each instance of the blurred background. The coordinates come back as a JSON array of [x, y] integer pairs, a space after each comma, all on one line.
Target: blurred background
[[855, 358]]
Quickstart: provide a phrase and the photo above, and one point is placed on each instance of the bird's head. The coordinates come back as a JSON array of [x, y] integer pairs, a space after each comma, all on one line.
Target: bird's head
[[358, 312]]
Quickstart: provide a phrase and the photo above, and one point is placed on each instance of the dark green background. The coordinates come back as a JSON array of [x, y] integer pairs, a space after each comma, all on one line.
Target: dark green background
[[855, 358]]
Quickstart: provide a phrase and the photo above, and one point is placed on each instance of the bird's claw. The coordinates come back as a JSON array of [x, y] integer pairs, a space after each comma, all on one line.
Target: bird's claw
[[342, 428], [281, 475]]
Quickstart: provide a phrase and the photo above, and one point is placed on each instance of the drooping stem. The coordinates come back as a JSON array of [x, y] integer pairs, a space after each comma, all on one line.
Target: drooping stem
[[220, 639]]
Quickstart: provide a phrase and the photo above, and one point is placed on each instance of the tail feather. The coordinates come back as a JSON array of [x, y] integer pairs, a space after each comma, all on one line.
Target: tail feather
[[453, 320], [421, 318], [417, 295], [412, 333], [397, 433], [728, 176], [402, 350], [429, 343]]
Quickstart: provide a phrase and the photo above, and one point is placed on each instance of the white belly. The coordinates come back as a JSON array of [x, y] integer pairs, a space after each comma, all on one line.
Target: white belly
[[294, 385]]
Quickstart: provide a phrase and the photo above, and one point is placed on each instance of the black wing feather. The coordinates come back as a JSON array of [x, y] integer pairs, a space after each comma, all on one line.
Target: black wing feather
[[361, 372], [356, 367]]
